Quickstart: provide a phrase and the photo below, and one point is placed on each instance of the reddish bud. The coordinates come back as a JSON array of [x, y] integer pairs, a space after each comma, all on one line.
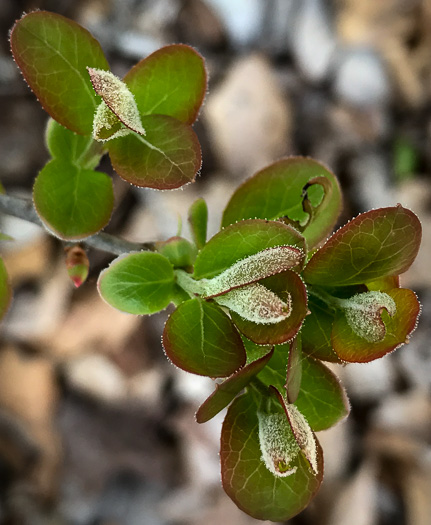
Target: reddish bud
[[77, 264]]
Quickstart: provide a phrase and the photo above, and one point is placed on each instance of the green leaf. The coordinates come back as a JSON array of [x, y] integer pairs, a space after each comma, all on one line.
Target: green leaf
[[275, 372], [381, 285], [53, 53], [316, 331], [322, 400], [241, 240], [294, 370], [5, 290], [198, 220], [171, 81], [351, 347], [200, 338], [288, 286], [231, 387], [254, 351], [374, 245], [138, 283], [179, 295], [278, 191], [168, 157], [72, 202], [247, 480], [68, 146]]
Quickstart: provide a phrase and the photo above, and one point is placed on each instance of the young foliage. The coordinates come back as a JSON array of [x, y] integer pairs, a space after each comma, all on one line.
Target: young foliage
[[246, 478], [343, 305], [262, 303], [72, 202], [138, 283], [143, 121]]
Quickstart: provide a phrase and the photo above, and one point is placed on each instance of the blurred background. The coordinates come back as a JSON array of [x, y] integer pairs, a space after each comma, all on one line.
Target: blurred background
[[96, 427]]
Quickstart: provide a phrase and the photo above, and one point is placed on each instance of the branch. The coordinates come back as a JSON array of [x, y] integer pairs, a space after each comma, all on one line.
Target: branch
[[23, 209]]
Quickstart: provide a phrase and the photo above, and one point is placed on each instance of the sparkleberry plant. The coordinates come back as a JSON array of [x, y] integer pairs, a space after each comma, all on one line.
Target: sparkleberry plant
[[259, 305]]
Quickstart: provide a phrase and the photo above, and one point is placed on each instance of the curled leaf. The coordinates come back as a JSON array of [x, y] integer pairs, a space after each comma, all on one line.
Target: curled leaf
[[290, 189], [349, 346], [118, 98], [363, 313], [301, 431], [254, 268], [290, 289], [277, 443], [247, 480], [256, 304]]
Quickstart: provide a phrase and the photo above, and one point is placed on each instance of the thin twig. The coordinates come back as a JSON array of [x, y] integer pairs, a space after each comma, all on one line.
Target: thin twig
[[23, 209]]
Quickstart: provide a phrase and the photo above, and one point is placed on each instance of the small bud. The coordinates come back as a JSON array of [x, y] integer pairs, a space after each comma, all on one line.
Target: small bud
[[277, 444], [77, 264], [256, 303], [363, 313], [180, 252]]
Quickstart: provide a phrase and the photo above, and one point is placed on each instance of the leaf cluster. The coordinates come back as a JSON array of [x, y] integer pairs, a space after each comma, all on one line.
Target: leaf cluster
[[260, 306], [263, 304], [147, 133]]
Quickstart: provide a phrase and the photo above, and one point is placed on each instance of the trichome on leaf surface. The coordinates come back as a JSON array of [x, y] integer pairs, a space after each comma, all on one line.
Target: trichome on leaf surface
[[262, 304]]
